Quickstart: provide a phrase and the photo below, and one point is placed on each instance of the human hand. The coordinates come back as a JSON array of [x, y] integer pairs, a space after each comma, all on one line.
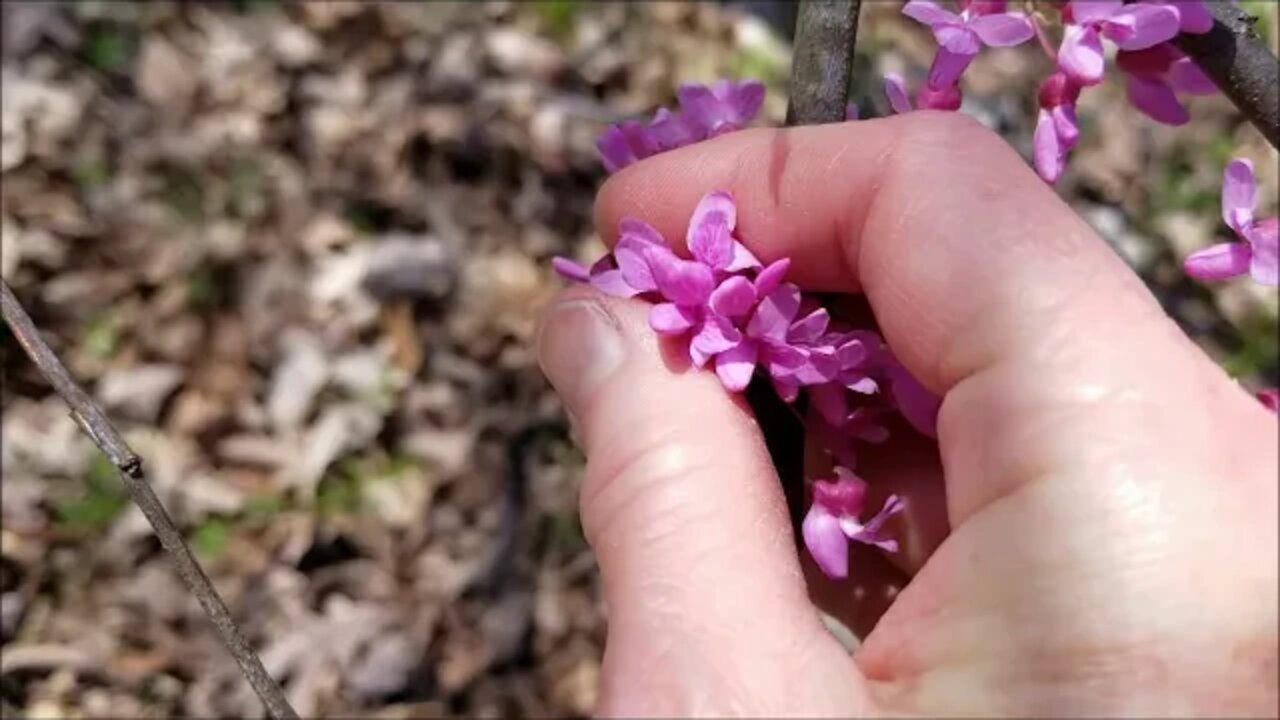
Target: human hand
[[1111, 493]]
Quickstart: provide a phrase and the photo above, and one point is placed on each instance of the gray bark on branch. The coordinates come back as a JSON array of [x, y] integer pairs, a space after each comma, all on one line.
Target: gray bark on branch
[[822, 61], [93, 421], [1241, 65]]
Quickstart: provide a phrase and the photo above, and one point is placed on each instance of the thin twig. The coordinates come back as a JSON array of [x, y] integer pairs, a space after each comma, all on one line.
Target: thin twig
[[821, 67], [822, 61], [95, 424], [1241, 65]]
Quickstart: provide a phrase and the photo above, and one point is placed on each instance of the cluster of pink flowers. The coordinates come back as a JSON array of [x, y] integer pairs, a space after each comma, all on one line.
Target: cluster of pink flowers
[[1156, 71], [705, 111], [740, 317]]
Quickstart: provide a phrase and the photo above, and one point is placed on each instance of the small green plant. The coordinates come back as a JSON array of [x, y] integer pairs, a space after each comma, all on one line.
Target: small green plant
[[99, 505], [108, 49], [92, 174], [210, 538], [559, 15], [102, 335]]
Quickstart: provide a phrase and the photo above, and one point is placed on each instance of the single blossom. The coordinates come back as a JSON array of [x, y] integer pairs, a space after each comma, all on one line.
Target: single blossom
[[929, 98], [1270, 398], [721, 107], [961, 35], [1258, 250], [1156, 75], [832, 521], [1057, 130], [779, 342], [1135, 26]]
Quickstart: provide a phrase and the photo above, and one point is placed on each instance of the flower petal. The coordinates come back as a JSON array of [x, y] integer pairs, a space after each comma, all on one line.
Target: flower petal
[[700, 108], [710, 230], [1264, 239], [948, 66], [786, 389], [1219, 262], [1066, 125], [1270, 399], [1142, 26], [1195, 16], [734, 297], [614, 149], [1186, 76], [612, 282], [914, 401], [896, 90], [810, 327], [930, 13], [1080, 56], [736, 365], [826, 542], [640, 231], [634, 265], [1239, 194], [770, 277], [671, 319], [1003, 29], [1047, 149], [743, 259], [872, 533], [1090, 11], [851, 111], [681, 281], [569, 269], [774, 314], [1155, 99], [744, 100], [716, 335]]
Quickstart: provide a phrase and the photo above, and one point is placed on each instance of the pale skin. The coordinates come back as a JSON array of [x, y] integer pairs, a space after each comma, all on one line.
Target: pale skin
[[1110, 493]]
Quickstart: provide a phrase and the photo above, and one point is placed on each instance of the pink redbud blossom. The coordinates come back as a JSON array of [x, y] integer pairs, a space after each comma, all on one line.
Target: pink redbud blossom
[[1130, 26], [1156, 75], [832, 521], [961, 35], [929, 98], [706, 111], [1057, 130], [1270, 398], [1258, 251]]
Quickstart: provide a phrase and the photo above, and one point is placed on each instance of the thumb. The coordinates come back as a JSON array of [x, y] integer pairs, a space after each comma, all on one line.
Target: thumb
[[707, 607]]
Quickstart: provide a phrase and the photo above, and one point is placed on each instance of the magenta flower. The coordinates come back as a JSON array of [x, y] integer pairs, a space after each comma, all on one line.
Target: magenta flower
[[916, 403], [783, 344], [832, 521], [1056, 128], [723, 106], [960, 36], [929, 98], [706, 112], [1130, 26], [1258, 252], [1156, 75], [1270, 399], [1194, 15], [624, 272]]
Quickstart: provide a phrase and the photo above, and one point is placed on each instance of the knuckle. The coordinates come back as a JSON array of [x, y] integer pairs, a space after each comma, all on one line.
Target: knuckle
[[642, 475]]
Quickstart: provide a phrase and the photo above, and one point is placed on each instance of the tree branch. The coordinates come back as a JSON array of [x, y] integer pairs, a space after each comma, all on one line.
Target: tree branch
[[95, 424], [822, 61], [1242, 66], [821, 67]]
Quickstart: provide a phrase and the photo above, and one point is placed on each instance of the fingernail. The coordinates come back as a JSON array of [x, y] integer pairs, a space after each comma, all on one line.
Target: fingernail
[[579, 347]]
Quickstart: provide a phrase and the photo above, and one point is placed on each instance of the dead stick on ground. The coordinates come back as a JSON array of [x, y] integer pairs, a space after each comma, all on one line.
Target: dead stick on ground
[[96, 425]]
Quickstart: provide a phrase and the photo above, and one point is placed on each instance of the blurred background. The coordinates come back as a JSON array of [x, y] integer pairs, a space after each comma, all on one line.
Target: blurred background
[[297, 251]]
